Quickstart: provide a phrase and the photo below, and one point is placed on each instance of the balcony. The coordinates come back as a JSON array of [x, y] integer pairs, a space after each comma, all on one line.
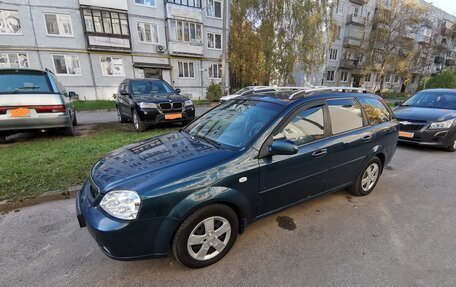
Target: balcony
[[351, 42], [348, 64], [356, 20], [185, 49], [182, 12], [439, 60], [360, 2]]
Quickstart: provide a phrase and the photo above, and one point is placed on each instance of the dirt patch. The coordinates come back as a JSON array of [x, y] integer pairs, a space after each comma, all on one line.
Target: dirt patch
[[286, 222]]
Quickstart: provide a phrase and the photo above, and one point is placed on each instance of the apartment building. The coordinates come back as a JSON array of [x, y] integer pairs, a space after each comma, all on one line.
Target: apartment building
[[92, 45], [433, 41]]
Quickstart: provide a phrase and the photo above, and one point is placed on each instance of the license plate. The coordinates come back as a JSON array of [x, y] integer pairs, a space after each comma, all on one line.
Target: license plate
[[20, 112], [406, 135], [173, 116]]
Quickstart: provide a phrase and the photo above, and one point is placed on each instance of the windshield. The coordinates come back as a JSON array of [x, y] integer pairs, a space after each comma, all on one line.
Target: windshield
[[234, 123], [439, 100], [23, 83], [147, 87]]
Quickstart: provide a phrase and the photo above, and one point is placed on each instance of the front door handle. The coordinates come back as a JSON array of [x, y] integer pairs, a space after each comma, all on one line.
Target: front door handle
[[367, 138], [320, 152]]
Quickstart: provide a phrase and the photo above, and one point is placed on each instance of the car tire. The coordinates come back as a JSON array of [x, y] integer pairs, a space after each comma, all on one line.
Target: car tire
[[137, 123], [3, 139], [368, 178], [212, 225], [452, 146], [69, 131], [121, 118]]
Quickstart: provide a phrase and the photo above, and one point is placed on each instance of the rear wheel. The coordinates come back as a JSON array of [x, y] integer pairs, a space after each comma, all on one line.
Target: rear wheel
[[2, 138], [137, 123], [206, 236], [69, 131], [368, 178], [452, 146], [121, 118]]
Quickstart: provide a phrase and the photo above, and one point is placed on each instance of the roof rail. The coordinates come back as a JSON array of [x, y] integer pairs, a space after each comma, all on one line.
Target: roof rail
[[322, 89]]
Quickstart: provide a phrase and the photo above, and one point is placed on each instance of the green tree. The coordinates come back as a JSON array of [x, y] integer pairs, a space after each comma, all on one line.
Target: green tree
[[445, 79]]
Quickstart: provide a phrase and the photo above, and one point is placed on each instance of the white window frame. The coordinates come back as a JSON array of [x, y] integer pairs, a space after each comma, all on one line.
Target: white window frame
[[151, 24], [368, 78], [67, 59], [221, 9], [145, 5], [340, 8], [215, 46], [17, 54], [175, 32], [218, 69], [58, 25], [342, 78], [107, 75], [333, 54], [2, 11], [183, 63], [328, 77]]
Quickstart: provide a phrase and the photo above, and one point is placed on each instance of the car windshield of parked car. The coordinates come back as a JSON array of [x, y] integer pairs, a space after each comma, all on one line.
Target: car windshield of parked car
[[439, 100], [146, 87], [24, 83], [234, 123]]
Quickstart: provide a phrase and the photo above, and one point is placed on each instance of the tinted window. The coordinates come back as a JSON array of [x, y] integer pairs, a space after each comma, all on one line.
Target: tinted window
[[306, 127], [375, 111], [234, 123], [433, 99], [145, 87], [345, 115], [22, 83]]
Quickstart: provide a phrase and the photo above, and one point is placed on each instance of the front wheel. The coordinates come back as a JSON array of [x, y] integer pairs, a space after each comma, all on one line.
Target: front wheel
[[206, 236], [452, 146], [137, 123], [368, 178]]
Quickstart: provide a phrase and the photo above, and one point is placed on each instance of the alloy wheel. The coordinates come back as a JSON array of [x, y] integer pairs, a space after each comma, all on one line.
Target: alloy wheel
[[136, 121], [370, 176]]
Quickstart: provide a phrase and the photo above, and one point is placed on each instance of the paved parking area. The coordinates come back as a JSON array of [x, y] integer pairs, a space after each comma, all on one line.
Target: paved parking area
[[403, 234]]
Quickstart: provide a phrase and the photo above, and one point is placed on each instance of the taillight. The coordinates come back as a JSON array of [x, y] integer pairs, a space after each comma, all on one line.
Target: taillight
[[3, 110], [49, 109]]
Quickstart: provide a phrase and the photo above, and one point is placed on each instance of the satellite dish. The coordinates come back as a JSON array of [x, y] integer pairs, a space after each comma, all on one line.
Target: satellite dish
[[160, 49]]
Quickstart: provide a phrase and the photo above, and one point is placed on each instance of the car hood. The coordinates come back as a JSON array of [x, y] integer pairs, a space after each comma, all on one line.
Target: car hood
[[157, 98], [155, 162], [423, 114]]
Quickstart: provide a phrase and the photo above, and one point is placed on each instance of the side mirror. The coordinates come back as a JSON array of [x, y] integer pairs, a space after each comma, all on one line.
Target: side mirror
[[283, 147], [397, 103], [178, 91], [72, 95], [123, 92]]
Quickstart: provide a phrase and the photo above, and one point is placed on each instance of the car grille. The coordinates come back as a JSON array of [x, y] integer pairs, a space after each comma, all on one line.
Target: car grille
[[176, 106], [411, 127]]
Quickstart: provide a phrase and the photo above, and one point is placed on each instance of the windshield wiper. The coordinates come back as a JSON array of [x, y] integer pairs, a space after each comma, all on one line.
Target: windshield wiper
[[25, 88], [208, 140]]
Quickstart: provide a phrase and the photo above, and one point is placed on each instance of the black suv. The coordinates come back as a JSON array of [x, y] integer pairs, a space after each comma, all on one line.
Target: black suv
[[147, 102]]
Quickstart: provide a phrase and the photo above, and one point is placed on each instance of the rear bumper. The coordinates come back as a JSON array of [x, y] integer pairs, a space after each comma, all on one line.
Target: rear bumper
[[34, 123], [435, 138]]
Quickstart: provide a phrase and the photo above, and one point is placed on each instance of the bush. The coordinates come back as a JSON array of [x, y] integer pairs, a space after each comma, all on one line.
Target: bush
[[213, 92], [394, 95], [445, 79]]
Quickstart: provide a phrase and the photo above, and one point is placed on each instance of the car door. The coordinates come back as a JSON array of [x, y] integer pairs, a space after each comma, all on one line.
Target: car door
[[288, 179], [123, 100], [351, 142]]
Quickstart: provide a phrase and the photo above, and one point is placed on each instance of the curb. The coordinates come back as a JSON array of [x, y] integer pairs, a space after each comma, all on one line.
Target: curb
[[7, 206]]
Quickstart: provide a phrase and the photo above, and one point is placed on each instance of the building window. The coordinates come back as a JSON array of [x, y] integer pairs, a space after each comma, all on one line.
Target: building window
[[111, 66], [339, 8], [214, 41], [190, 3], [367, 78], [14, 60], [9, 22], [150, 3], [396, 79], [330, 76], [338, 30], [344, 76], [58, 25], [377, 78], [214, 8], [106, 22], [333, 54], [186, 70], [185, 31], [387, 78], [215, 71], [66, 65], [148, 33]]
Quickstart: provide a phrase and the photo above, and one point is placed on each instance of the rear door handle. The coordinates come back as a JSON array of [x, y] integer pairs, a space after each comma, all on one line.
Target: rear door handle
[[367, 138], [320, 152]]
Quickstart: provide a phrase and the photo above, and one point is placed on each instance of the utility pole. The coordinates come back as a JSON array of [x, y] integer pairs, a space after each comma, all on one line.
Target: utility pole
[[224, 45]]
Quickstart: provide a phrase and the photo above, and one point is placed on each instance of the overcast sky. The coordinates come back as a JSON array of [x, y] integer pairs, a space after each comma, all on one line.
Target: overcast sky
[[446, 5]]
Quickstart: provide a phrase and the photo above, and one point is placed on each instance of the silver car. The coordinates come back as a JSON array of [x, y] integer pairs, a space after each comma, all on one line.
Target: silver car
[[34, 100]]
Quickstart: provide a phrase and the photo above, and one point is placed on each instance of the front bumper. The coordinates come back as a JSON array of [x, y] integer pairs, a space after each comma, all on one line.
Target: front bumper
[[42, 121], [124, 240], [435, 138], [156, 116]]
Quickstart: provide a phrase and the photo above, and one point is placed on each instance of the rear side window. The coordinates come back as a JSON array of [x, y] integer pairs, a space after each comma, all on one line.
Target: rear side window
[[345, 115], [22, 83], [375, 111]]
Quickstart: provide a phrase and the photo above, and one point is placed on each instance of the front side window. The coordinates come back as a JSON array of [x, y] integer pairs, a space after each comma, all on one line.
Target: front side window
[[186, 70], [214, 8], [58, 25], [13, 60], [306, 127], [150, 3], [215, 71], [345, 115], [234, 123], [148, 33], [111, 66], [214, 41], [24, 83], [185, 31], [375, 111], [10, 22], [66, 65]]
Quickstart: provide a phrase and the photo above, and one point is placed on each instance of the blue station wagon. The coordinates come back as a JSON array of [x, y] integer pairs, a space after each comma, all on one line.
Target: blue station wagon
[[193, 191]]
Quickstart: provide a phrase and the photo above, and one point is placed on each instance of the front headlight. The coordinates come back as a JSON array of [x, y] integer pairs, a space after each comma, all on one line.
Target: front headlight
[[188, 103], [147, 105], [122, 204], [441, 125]]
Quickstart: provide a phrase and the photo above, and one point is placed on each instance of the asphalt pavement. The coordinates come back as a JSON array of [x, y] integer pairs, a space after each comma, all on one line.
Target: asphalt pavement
[[403, 234]]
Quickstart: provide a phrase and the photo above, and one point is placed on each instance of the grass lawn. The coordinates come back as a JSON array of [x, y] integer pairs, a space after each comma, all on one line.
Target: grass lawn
[[94, 105], [50, 162]]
